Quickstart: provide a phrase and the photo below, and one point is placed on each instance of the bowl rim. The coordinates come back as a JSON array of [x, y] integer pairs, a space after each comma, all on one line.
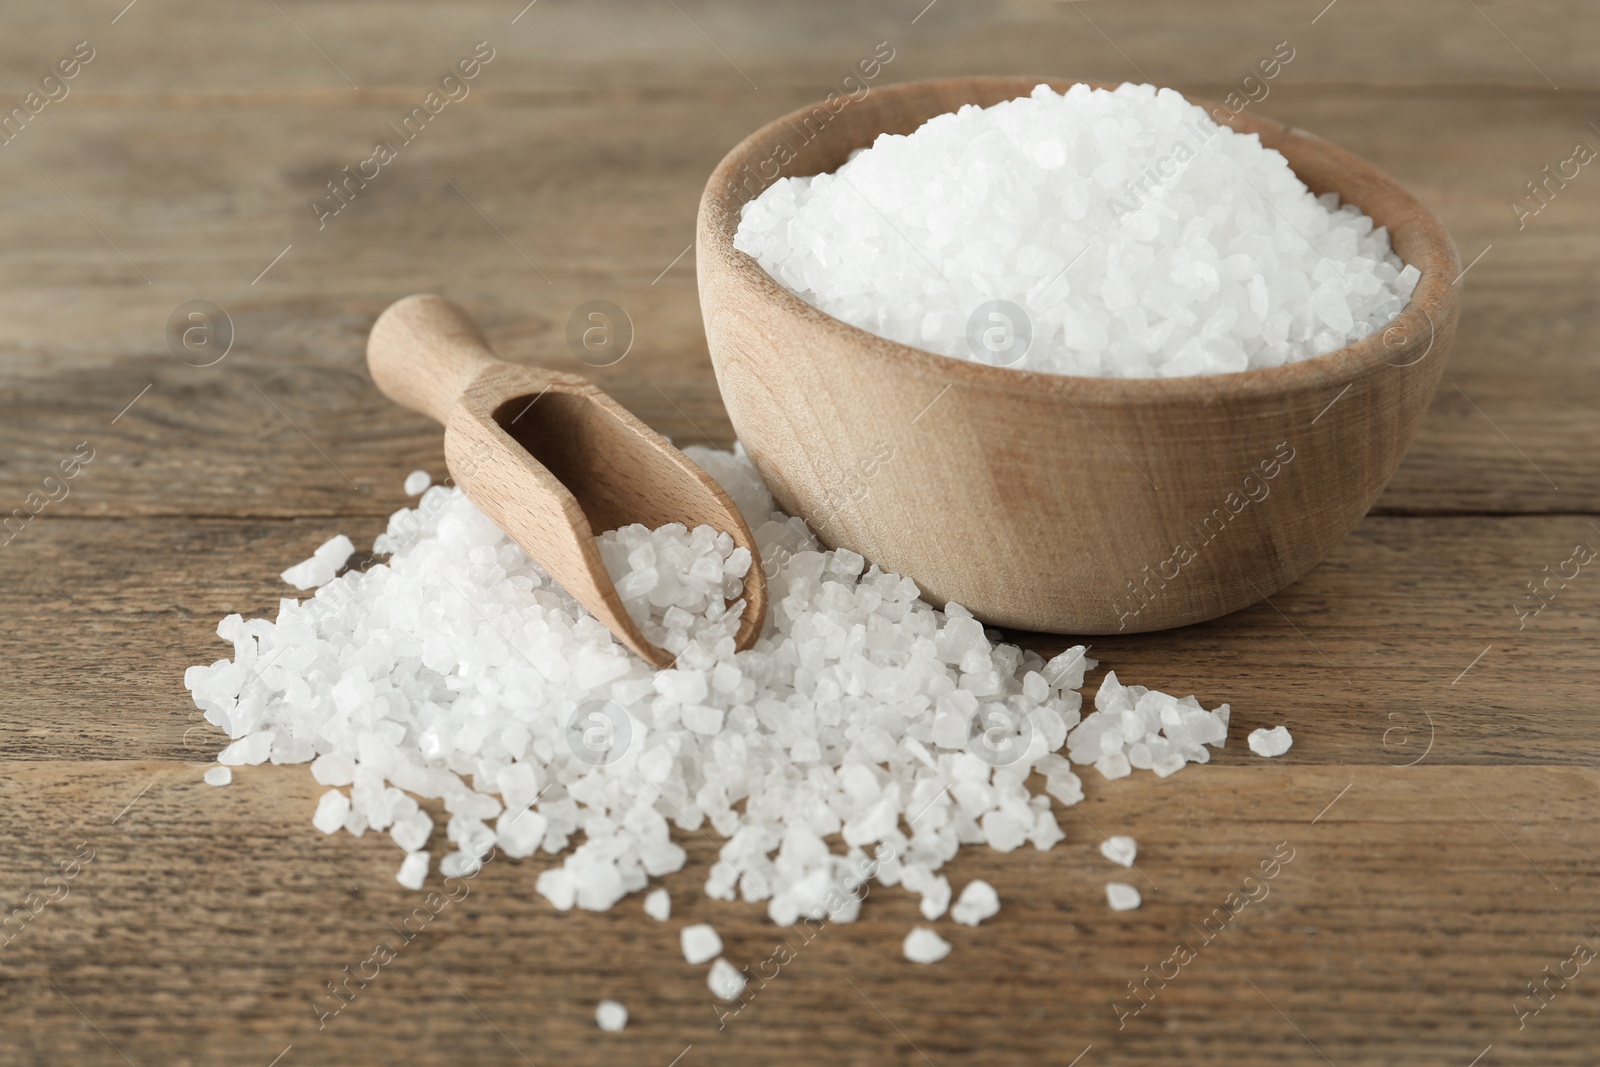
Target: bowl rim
[[1436, 289]]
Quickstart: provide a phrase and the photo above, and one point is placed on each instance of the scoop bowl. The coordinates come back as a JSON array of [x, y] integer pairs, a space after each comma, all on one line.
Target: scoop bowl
[[1051, 502]]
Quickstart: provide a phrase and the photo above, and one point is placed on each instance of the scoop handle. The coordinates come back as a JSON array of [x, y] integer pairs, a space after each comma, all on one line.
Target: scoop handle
[[424, 351]]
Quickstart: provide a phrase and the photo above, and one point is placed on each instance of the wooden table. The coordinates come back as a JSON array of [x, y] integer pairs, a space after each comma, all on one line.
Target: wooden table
[[1440, 797]]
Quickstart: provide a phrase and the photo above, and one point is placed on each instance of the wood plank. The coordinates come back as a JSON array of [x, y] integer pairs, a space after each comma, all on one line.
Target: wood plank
[[606, 218], [1402, 929], [1418, 905], [1357, 658], [1513, 428], [185, 46]]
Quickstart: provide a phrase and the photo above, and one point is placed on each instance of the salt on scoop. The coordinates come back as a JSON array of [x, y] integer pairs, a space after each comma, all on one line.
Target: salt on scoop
[[1121, 233], [1120, 848], [1273, 742], [924, 945], [1122, 896]]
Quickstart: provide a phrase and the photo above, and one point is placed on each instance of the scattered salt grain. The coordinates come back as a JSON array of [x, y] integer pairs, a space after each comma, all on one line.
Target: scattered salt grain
[[725, 981], [658, 905], [1120, 848], [411, 829], [413, 869], [218, 776], [249, 750], [417, 483], [455, 670], [1096, 232], [700, 943], [934, 888], [1273, 742], [1134, 728], [610, 1016], [331, 811], [323, 564], [978, 901], [334, 768], [924, 945], [1122, 896]]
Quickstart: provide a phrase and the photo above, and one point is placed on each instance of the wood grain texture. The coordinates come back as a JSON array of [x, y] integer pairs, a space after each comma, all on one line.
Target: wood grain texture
[[1417, 907]]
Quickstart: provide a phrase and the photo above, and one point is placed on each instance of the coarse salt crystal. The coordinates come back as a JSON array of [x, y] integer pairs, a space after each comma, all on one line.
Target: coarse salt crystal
[[323, 564], [924, 945], [700, 943], [558, 886], [417, 483], [411, 831], [333, 768], [1120, 848], [978, 901], [724, 980], [1122, 896], [1273, 742], [218, 776], [658, 905], [610, 1016], [331, 811], [934, 888], [1134, 727], [413, 870], [248, 750]]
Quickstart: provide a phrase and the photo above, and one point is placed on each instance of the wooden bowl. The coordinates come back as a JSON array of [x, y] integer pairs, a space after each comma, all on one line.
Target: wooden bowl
[[1049, 502]]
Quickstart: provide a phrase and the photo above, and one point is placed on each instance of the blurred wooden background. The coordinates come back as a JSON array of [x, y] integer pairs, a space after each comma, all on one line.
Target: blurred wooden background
[[1441, 792]]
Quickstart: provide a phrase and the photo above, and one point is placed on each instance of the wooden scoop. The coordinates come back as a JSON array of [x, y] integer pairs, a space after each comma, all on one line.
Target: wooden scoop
[[550, 458]]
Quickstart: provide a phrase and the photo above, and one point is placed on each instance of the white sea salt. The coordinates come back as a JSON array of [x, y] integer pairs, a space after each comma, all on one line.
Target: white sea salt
[[323, 564], [331, 811], [1120, 848], [417, 483], [1125, 232], [978, 901], [924, 945], [1273, 742], [1134, 728], [413, 870], [700, 942], [934, 889], [610, 1016], [249, 750], [658, 905], [412, 827], [455, 673], [1122, 896], [725, 981], [218, 776], [334, 768]]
